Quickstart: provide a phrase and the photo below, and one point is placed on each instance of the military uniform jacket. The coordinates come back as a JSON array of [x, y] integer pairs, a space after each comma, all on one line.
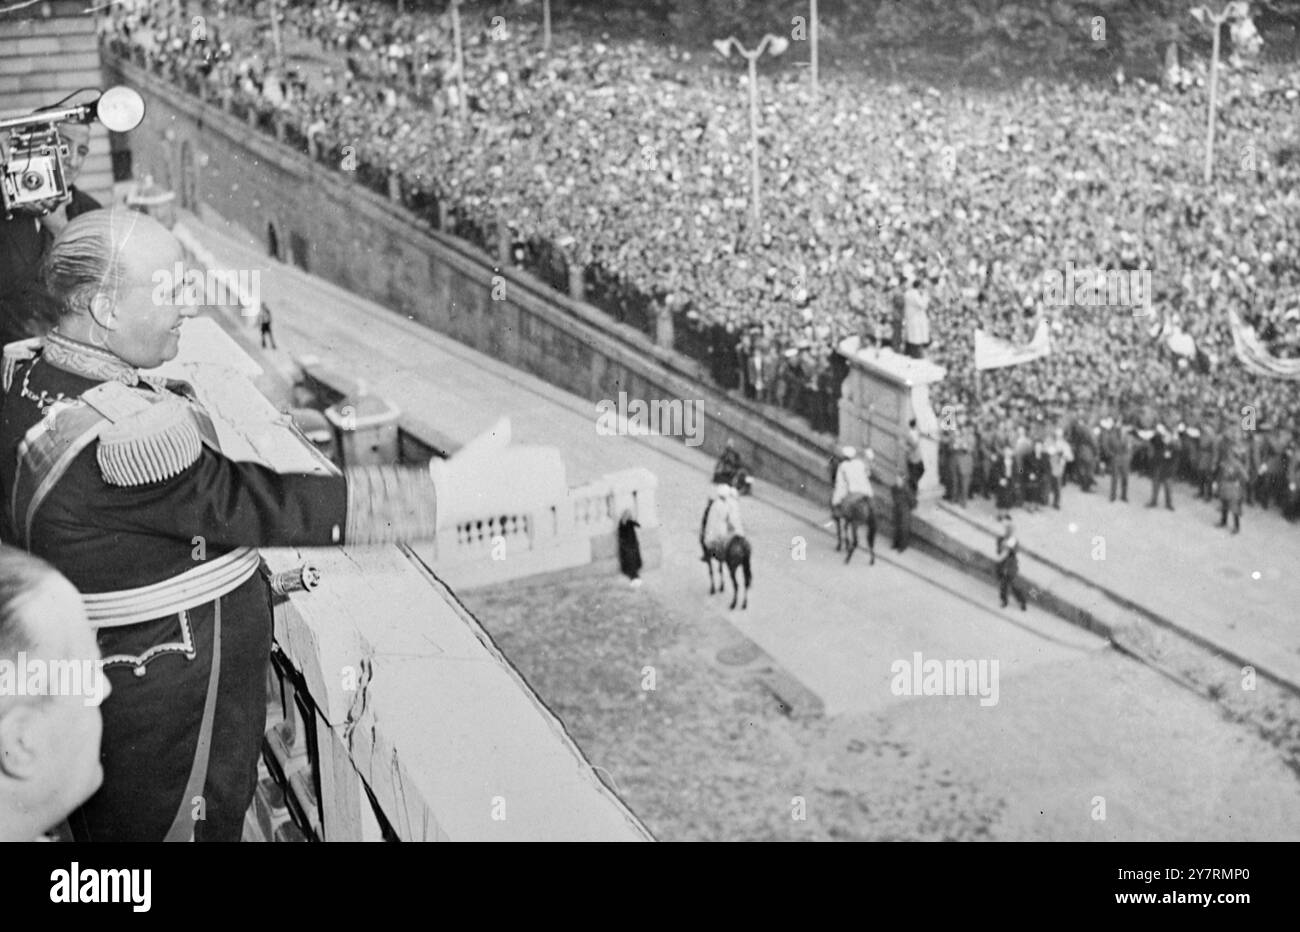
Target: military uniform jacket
[[151, 496], [117, 480]]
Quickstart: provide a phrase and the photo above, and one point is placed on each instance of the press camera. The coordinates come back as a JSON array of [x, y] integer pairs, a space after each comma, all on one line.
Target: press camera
[[32, 152]]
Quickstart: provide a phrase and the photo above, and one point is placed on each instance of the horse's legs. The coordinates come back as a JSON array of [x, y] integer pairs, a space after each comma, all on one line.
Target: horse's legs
[[851, 534], [839, 533], [708, 561], [871, 538], [735, 589]]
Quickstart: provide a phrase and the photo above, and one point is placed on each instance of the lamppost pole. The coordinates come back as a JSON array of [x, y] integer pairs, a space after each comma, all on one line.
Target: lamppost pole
[[460, 58], [1234, 10], [812, 38], [777, 45]]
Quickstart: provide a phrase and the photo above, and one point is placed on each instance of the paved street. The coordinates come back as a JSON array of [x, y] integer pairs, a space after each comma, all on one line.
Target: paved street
[[1073, 720]]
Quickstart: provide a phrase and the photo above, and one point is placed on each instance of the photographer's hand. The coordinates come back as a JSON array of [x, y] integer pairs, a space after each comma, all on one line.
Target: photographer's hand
[[39, 209], [57, 218]]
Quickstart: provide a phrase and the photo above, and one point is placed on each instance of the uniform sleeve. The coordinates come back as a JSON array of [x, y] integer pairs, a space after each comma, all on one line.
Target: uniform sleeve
[[236, 504]]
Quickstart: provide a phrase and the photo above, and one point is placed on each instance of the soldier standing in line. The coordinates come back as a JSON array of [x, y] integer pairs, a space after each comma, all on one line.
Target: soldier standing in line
[[117, 478], [1206, 465], [1164, 450], [1232, 480]]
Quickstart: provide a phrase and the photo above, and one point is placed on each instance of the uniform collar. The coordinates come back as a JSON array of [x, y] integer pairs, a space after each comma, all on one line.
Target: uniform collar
[[82, 359]]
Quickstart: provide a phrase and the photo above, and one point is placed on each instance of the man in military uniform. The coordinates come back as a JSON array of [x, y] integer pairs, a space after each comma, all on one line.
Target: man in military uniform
[[1118, 446], [1205, 460], [1164, 452], [117, 479], [1232, 481]]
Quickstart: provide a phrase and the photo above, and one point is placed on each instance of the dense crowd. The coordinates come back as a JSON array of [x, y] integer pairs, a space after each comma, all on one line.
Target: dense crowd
[[632, 160]]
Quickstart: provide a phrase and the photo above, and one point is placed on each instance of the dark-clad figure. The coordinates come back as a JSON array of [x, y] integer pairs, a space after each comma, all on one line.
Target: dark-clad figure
[[629, 548], [117, 479], [904, 500], [1006, 479], [1118, 445], [1206, 462], [26, 237], [1232, 488], [963, 463], [1164, 454], [1009, 564]]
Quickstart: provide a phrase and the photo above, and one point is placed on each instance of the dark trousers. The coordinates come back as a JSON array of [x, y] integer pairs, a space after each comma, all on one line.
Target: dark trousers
[[1226, 508], [914, 473], [268, 336], [1054, 487], [1010, 579], [1159, 480], [902, 525], [1119, 480], [961, 475], [151, 723]]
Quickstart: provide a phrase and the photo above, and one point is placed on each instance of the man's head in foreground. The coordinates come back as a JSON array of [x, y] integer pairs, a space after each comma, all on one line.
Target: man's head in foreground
[[102, 274], [51, 687]]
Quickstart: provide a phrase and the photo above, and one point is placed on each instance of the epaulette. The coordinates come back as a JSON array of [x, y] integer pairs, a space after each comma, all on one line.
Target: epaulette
[[147, 441], [14, 353]]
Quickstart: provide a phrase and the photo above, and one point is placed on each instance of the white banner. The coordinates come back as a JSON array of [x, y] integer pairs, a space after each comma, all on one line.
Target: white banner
[[994, 352]]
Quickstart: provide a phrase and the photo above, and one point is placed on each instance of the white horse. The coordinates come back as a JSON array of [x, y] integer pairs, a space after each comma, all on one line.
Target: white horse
[[722, 538]]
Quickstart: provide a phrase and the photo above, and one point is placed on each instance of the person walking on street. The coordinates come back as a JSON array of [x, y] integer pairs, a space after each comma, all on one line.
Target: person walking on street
[[1009, 564], [264, 323]]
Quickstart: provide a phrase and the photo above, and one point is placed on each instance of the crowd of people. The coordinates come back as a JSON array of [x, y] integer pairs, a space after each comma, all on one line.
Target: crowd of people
[[630, 159]]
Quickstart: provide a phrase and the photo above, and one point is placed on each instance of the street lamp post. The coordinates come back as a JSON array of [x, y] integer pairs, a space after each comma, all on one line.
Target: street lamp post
[[777, 45], [276, 42], [1234, 10], [812, 47], [460, 58]]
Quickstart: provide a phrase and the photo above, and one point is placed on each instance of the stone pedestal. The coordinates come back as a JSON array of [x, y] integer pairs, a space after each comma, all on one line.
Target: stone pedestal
[[882, 392]]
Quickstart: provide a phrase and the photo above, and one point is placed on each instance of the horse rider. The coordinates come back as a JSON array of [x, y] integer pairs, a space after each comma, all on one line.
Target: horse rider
[[731, 468], [723, 497], [852, 481]]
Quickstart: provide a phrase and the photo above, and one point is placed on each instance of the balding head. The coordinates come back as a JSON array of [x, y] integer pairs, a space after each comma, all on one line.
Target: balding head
[[101, 274]]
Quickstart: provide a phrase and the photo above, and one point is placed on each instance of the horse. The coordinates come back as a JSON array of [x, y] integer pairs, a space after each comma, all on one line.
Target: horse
[[849, 514], [722, 539]]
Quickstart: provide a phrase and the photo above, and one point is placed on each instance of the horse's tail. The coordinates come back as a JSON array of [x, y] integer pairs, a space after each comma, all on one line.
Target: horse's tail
[[742, 545]]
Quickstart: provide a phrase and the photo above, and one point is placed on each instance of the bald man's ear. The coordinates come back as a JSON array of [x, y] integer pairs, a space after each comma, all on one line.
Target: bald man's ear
[[102, 311], [19, 740]]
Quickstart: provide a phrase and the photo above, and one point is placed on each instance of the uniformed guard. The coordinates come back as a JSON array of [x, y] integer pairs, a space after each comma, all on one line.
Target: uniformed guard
[[117, 479]]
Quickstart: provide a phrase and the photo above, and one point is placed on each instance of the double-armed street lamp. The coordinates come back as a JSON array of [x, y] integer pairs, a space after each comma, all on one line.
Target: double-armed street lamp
[[769, 43], [1204, 15]]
